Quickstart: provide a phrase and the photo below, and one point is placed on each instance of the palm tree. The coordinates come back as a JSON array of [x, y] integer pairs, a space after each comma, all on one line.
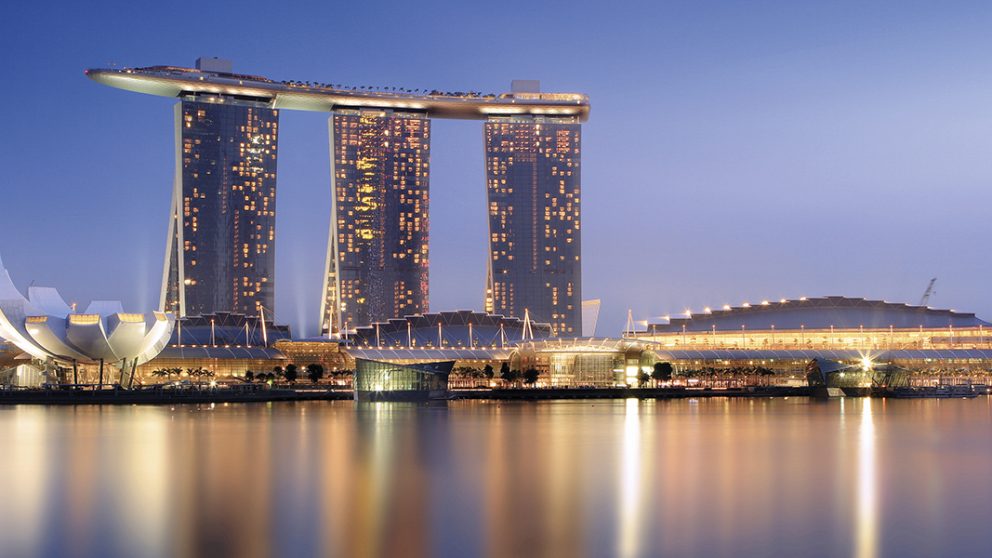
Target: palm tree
[[192, 373]]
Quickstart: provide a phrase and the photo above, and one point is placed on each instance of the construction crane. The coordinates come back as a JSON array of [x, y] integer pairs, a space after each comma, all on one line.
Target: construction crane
[[926, 294]]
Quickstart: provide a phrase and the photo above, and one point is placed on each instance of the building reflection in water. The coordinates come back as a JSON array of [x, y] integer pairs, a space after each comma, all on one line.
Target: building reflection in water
[[580, 478], [866, 532], [631, 489], [25, 480]]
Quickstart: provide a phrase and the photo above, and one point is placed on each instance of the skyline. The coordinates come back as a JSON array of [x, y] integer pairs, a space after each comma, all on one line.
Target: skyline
[[878, 126]]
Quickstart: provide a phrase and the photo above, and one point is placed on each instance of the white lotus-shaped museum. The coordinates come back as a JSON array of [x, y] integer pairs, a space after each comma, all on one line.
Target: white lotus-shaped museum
[[46, 328]]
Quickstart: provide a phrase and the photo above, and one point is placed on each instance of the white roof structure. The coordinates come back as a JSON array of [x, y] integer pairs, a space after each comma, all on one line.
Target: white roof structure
[[174, 81], [816, 313], [45, 327], [7, 288]]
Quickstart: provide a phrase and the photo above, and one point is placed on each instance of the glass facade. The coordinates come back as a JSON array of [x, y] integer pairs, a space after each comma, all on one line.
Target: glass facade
[[375, 377], [223, 368], [221, 248], [377, 263], [585, 362], [533, 185]]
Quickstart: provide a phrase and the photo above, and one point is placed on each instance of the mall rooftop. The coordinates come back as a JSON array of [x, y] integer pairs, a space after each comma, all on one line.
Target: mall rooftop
[[828, 312], [214, 76]]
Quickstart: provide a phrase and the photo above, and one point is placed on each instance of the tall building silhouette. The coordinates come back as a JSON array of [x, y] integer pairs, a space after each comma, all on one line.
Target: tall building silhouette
[[533, 185], [221, 241], [377, 259]]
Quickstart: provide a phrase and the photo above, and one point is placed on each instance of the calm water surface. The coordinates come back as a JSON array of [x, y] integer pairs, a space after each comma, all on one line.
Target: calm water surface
[[714, 477]]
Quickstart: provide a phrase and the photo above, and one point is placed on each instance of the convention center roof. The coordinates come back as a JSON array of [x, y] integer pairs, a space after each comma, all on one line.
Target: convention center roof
[[817, 313]]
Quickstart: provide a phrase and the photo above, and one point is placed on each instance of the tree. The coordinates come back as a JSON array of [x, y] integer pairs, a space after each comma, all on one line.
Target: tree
[[662, 372], [766, 374], [530, 376], [194, 373], [315, 372], [290, 373], [167, 373], [488, 372], [249, 376], [642, 378], [199, 373], [506, 374]]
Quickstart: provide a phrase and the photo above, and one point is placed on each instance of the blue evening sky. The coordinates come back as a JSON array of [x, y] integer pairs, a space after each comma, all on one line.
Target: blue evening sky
[[736, 150]]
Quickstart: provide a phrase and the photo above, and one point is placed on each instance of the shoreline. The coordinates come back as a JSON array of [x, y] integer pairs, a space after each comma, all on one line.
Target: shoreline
[[172, 397], [200, 396]]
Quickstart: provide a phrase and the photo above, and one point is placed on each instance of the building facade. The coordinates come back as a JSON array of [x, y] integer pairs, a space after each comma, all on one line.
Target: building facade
[[585, 362], [533, 182], [458, 329], [221, 241], [784, 336], [222, 231], [377, 259], [227, 329], [102, 344], [387, 381]]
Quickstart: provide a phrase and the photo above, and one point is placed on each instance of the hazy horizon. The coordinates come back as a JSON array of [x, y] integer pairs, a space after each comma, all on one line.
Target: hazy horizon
[[761, 151]]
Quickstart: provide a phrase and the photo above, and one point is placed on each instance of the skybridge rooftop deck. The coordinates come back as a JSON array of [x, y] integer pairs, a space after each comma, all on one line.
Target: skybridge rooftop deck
[[173, 81]]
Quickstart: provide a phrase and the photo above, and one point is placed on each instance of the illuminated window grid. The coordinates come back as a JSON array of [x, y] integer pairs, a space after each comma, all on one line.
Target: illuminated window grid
[[228, 193], [532, 167], [381, 176]]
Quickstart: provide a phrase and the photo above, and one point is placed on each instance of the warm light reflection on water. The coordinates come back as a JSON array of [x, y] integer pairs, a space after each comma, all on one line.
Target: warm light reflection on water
[[866, 485], [630, 481], [713, 477]]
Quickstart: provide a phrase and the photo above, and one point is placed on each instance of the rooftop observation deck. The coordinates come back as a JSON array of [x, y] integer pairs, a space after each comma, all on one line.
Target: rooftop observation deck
[[173, 81]]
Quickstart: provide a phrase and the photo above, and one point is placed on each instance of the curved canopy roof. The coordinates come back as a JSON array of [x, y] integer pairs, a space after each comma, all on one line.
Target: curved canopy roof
[[482, 353], [819, 313], [422, 330], [831, 354], [222, 353], [583, 344]]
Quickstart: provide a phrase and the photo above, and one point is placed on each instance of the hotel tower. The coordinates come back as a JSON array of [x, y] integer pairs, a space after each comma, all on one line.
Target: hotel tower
[[222, 225], [377, 257], [533, 187], [221, 243]]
